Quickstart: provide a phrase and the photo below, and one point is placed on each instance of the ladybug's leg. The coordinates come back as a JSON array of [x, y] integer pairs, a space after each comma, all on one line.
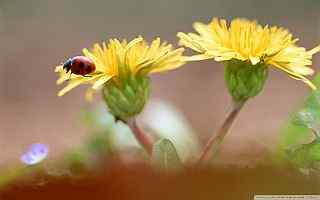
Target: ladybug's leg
[[69, 75], [87, 76]]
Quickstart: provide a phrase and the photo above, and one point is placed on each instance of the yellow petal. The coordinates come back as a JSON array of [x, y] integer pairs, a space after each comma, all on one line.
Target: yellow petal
[[70, 86], [314, 50], [305, 80], [133, 42], [101, 81], [167, 67], [197, 57], [187, 41], [254, 60], [302, 70], [296, 76], [58, 68], [61, 79]]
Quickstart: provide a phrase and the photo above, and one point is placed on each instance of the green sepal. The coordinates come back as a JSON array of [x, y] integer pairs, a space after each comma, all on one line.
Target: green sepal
[[245, 80], [126, 97]]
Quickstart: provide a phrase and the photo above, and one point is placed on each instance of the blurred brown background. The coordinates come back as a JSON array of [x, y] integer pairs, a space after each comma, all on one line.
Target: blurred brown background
[[36, 35]]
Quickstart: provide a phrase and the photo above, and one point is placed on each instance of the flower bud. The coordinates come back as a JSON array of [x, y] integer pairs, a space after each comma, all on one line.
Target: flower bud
[[245, 80], [126, 98]]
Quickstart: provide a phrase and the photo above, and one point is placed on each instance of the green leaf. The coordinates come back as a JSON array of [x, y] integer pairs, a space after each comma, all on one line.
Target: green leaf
[[305, 117], [174, 126], [298, 130], [165, 156], [306, 155]]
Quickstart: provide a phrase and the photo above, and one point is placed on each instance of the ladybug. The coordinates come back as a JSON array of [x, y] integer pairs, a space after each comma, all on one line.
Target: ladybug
[[79, 65]]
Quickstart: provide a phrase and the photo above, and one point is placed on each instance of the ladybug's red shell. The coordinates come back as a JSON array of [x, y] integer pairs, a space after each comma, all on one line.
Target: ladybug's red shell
[[80, 65]]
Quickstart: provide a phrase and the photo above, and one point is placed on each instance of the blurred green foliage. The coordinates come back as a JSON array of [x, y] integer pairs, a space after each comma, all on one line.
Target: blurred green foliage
[[303, 122], [9, 174], [165, 120], [306, 156]]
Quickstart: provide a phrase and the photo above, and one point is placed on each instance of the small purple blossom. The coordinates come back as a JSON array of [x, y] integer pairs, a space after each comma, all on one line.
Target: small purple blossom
[[36, 153]]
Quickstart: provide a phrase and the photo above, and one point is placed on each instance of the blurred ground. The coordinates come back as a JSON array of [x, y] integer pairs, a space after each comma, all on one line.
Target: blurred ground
[[141, 182], [37, 35]]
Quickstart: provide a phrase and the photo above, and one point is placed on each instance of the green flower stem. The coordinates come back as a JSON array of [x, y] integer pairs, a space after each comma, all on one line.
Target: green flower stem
[[213, 145], [145, 140]]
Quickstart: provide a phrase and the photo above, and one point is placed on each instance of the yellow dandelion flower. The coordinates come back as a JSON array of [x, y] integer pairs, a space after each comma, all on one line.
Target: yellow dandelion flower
[[248, 41], [121, 71], [117, 59]]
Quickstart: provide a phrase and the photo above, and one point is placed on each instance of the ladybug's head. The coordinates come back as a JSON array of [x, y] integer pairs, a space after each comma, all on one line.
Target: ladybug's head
[[67, 65]]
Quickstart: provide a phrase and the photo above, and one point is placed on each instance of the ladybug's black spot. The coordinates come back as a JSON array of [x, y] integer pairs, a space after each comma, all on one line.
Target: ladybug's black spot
[[81, 65]]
